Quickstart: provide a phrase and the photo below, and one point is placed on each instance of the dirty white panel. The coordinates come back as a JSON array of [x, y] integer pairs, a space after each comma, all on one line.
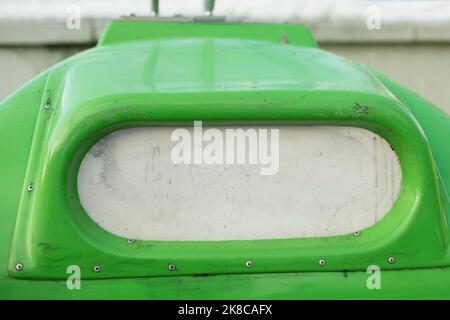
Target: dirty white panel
[[331, 181]]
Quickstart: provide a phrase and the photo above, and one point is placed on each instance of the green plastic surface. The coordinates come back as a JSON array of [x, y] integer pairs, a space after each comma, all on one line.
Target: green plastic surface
[[156, 74]]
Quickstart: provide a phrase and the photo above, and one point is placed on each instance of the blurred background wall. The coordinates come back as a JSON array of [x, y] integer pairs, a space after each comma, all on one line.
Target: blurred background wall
[[409, 41]]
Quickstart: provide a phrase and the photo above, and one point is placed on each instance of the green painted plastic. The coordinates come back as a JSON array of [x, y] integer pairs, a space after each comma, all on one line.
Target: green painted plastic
[[156, 74]]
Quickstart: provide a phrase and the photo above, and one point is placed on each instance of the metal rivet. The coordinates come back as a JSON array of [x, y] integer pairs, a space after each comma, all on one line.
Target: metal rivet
[[97, 269], [19, 267], [356, 233], [391, 260], [130, 241], [30, 188], [249, 264], [172, 267], [47, 105], [322, 262]]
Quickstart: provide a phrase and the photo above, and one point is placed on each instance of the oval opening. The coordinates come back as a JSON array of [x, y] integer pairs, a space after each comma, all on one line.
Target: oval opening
[[238, 183]]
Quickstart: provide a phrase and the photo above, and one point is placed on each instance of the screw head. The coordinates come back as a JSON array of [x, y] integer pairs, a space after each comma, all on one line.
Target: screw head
[[391, 260], [97, 269], [30, 188], [172, 267], [249, 264], [19, 267], [322, 262], [130, 241], [357, 233]]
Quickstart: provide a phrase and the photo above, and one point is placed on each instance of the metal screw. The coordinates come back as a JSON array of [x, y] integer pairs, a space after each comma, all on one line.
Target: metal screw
[[249, 264], [19, 267], [356, 233], [130, 241], [391, 260], [97, 269], [322, 262], [30, 188], [172, 267]]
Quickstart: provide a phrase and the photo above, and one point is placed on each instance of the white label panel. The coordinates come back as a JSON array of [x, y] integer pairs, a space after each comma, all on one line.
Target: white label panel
[[330, 181]]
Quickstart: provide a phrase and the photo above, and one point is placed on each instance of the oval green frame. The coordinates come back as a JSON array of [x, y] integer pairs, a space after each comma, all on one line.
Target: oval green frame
[[54, 222]]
